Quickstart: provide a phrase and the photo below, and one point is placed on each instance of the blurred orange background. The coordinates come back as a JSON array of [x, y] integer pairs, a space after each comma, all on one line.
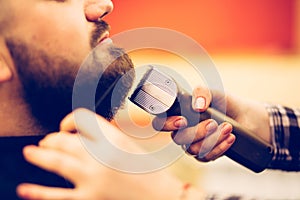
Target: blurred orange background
[[219, 26]]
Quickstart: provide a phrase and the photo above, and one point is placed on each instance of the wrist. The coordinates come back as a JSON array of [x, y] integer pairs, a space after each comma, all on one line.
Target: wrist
[[251, 114]]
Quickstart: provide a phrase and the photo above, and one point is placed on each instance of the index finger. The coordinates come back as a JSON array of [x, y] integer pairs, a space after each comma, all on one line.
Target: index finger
[[38, 192], [171, 123]]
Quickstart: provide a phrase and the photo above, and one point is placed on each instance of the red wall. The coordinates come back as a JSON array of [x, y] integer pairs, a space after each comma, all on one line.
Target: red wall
[[218, 25]]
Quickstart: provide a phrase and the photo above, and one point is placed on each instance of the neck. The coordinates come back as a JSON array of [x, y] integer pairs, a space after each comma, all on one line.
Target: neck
[[15, 115], [17, 121]]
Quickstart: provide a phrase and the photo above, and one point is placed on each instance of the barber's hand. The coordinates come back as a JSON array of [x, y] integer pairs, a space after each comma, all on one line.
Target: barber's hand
[[64, 154], [208, 140]]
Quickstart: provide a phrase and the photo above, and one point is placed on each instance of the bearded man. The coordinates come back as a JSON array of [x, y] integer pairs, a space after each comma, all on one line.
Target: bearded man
[[42, 46]]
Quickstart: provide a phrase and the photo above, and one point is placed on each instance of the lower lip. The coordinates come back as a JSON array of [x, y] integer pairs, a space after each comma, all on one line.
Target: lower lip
[[106, 41]]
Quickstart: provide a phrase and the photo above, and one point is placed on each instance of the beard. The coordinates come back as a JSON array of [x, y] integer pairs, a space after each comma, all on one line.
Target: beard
[[47, 82]]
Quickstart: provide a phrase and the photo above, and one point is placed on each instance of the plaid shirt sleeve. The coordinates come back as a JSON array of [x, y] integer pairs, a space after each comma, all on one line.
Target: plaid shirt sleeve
[[285, 134]]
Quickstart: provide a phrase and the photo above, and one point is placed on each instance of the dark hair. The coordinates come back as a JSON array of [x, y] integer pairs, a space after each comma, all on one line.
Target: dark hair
[[109, 98]]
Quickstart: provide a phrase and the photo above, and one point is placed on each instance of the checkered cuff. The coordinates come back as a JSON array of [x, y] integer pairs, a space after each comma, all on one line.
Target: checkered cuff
[[285, 134]]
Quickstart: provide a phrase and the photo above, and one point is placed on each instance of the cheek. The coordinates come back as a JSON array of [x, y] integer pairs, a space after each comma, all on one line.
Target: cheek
[[65, 35], [66, 39]]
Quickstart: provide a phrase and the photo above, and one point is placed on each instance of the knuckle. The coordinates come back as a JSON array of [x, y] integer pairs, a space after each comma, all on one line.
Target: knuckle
[[200, 130], [221, 149], [211, 156], [176, 138], [203, 159], [199, 90], [194, 149]]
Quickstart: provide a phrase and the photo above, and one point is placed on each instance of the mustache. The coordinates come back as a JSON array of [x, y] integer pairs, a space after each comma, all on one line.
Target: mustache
[[100, 27]]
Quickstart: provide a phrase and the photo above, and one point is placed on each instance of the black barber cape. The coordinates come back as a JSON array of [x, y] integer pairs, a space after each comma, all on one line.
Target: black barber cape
[[15, 170]]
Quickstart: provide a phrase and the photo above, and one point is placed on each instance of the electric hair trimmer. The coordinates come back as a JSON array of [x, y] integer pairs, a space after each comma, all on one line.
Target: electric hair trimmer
[[159, 94]]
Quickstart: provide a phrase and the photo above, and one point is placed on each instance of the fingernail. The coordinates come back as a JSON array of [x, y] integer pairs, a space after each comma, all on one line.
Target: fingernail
[[28, 149], [226, 129], [211, 126], [22, 191], [199, 103], [230, 139], [180, 123]]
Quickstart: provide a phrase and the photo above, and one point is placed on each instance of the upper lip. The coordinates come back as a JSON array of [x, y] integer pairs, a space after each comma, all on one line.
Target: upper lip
[[103, 37]]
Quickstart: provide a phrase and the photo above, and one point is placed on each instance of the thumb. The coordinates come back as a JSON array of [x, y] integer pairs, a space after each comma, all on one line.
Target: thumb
[[84, 121], [201, 98]]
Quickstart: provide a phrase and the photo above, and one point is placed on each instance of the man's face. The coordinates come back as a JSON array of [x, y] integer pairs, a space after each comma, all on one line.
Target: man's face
[[48, 40]]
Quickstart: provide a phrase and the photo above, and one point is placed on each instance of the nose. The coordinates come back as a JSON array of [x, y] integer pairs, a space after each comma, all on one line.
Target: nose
[[97, 9]]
